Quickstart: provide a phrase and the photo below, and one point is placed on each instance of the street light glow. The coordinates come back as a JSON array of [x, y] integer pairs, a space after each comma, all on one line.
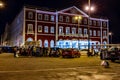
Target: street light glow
[[1, 4], [91, 8]]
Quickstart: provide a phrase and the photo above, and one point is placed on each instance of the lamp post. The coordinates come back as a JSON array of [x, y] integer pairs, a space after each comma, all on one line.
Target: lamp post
[[110, 34], [78, 18], [89, 8]]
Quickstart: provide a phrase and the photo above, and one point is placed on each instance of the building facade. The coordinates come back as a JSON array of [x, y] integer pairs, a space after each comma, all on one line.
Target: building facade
[[57, 28]]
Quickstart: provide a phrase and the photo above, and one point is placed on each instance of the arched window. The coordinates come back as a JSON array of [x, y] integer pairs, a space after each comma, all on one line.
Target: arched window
[[46, 43], [29, 39], [52, 43], [40, 43]]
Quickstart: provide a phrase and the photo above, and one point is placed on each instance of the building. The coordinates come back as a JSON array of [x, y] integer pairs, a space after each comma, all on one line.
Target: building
[[57, 28]]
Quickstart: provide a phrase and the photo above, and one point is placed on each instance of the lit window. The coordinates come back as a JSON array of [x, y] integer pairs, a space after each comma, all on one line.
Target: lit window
[[46, 29], [30, 15], [61, 18], [46, 17], [94, 33], [85, 31], [67, 30], [30, 28], [52, 18], [39, 16], [90, 32], [67, 19], [104, 33], [74, 20], [79, 30], [39, 28], [60, 29], [52, 29], [73, 30]]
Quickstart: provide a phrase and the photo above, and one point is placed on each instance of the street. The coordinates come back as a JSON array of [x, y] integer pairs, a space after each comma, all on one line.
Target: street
[[50, 68]]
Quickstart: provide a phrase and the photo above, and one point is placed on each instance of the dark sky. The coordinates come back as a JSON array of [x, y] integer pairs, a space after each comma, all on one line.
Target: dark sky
[[109, 9]]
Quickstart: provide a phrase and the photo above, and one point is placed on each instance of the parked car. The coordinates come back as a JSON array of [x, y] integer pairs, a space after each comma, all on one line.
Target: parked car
[[70, 53], [112, 53]]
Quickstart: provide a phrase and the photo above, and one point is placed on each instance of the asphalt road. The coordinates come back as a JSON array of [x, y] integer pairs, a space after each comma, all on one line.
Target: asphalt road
[[49, 68]]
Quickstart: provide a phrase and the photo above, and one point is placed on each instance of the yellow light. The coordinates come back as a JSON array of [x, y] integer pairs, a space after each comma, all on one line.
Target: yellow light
[[1, 4]]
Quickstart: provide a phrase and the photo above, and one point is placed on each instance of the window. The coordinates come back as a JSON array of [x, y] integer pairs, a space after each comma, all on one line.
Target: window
[[94, 22], [85, 31], [30, 28], [39, 28], [74, 20], [104, 24], [60, 29], [94, 33], [73, 30], [61, 18], [90, 22], [30, 15], [52, 43], [52, 18], [46, 17], [67, 30], [90, 32], [98, 23], [46, 29], [46, 43], [79, 30], [67, 19], [98, 33], [104, 33], [39, 16], [85, 21], [52, 29]]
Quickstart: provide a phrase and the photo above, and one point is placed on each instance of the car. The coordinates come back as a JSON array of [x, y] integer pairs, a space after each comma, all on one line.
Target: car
[[70, 53], [112, 53]]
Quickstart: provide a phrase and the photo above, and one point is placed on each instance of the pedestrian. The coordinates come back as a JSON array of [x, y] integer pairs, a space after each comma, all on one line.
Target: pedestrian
[[15, 50]]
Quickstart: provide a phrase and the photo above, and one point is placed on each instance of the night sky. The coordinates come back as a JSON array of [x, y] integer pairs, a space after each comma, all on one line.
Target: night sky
[[109, 9]]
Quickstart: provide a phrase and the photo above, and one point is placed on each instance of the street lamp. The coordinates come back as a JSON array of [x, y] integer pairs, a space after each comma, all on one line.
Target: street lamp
[[89, 8], [110, 34], [78, 18]]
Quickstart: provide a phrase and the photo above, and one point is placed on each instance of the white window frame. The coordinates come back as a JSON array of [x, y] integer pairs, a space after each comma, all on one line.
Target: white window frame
[[30, 29], [46, 17], [61, 18], [104, 33], [46, 29], [67, 30], [73, 30], [94, 32], [52, 18], [79, 30], [67, 19], [60, 29], [39, 28], [52, 29], [85, 31]]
